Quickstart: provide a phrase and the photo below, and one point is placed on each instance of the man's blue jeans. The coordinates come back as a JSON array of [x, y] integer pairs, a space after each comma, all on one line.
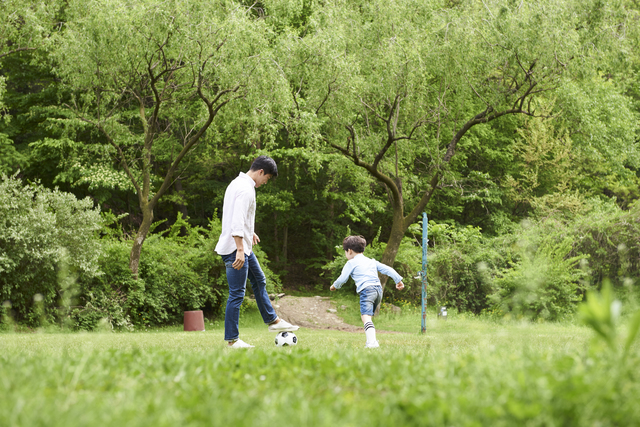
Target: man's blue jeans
[[237, 280]]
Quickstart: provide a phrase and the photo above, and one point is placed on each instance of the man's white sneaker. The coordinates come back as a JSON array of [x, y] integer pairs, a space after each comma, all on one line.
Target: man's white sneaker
[[240, 344], [283, 326], [372, 345]]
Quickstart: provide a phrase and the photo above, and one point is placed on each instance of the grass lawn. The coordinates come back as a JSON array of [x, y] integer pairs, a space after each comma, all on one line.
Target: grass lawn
[[463, 372]]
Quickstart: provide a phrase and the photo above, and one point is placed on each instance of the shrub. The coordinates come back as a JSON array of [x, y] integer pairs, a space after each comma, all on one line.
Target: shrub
[[541, 269], [50, 251], [546, 282], [179, 271], [610, 237], [554, 261], [40, 230], [459, 265]]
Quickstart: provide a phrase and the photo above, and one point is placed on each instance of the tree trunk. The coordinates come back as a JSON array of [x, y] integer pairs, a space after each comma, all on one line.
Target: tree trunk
[[180, 192], [275, 235], [134, 259], [395, 238], [285, 242]]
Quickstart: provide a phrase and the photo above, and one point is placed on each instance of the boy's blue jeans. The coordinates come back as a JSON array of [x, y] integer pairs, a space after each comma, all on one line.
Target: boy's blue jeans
[[370, 299], [237, 280]]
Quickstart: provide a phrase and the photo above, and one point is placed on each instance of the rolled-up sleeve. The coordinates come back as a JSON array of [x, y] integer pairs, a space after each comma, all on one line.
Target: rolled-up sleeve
[[239, 215]]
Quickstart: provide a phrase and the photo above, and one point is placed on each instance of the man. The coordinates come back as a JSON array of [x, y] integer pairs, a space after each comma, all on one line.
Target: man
[[235, 246]]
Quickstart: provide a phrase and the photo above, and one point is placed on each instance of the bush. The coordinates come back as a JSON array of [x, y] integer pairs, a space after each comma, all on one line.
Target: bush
[[42, 230], [459, 266], [610, 237], [545, 283], [553, 262], [178, 272], [54, 267]]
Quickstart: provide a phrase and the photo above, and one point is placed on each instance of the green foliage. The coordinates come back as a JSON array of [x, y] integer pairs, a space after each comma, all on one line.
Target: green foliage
[[389, 83], [458, 267], [545, 283], [179, 271], [27, 26], [181, 63], [11, 158], [40, 232], [610, 237], [601, 312]]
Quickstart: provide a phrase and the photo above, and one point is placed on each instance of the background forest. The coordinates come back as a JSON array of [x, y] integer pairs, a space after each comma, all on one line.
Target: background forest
[[514, 125]]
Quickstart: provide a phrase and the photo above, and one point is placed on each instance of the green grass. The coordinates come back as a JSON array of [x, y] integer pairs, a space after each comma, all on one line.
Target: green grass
[[463, 372]]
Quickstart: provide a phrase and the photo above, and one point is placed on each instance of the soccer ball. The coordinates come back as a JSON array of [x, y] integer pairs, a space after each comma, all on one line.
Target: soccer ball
[[284, 339]]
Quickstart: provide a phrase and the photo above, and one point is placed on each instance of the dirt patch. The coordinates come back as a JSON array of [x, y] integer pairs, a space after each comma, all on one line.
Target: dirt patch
[[314, 313]]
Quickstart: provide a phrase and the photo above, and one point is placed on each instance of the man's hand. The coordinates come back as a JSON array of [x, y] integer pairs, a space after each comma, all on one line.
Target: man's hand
[[399, 286], [256, 239], [239, 262], [332, 288]]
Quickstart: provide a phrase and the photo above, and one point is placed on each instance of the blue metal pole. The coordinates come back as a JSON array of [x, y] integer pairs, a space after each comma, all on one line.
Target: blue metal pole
[[425, 241]]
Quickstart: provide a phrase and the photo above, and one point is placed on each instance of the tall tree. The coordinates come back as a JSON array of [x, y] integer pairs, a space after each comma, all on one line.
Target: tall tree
[[151, 77], [25, 26], [397, 87]]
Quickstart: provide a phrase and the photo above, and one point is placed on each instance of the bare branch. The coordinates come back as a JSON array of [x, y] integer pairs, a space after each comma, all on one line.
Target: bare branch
[[20, 49], [326, 97]]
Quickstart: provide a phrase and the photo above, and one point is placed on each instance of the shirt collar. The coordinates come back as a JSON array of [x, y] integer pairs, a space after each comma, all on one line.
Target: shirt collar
[[248, 178]]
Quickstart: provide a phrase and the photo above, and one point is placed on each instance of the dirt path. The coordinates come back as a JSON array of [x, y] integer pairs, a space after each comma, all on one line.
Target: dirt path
[[314, 313]]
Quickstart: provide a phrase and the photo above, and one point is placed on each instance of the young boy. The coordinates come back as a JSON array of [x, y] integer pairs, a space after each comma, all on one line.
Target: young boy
[[364, 272]]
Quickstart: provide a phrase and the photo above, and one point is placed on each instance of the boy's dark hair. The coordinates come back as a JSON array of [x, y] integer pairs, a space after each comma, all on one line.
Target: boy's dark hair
[[267, 164], [355, 243]]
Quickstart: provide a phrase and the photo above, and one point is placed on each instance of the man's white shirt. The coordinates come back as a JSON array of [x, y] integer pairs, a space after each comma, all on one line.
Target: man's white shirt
[[238, 215]]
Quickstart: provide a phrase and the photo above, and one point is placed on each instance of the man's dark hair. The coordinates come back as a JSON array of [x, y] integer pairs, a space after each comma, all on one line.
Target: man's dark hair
[[267, 164], [355, 243]]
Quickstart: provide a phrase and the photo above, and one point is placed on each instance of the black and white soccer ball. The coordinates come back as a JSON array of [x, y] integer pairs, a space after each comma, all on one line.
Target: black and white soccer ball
[[284, 339]]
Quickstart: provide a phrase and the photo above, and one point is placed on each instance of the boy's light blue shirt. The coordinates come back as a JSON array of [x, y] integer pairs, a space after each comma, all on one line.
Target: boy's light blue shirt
[[364, 272]]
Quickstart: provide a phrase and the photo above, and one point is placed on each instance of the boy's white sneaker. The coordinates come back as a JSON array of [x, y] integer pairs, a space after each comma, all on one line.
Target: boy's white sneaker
[[283, 326], [372, 345], [240, 344]]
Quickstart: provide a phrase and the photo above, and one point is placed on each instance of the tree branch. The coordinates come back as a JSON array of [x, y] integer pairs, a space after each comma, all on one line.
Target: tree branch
[[20, 49], [111, 141]]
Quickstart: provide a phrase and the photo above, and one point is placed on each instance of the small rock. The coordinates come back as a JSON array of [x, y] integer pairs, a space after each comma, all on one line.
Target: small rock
[[343, 307], [272, 296], [276, 306], [332, 310], [395, 309], [281, 295]]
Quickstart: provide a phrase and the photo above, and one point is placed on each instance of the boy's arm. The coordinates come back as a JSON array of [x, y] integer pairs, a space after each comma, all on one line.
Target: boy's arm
[[388, 271], [344, 276]]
